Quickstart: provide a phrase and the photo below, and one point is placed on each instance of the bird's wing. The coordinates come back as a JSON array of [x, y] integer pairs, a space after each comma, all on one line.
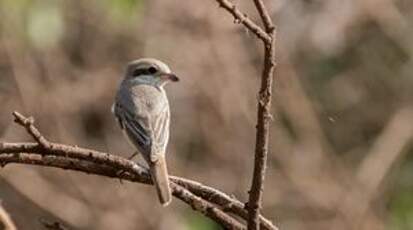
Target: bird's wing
[[149, 133], [136, 128], [160, 128]]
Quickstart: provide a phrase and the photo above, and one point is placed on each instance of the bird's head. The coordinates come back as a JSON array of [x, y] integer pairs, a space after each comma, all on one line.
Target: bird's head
[[149, 71]]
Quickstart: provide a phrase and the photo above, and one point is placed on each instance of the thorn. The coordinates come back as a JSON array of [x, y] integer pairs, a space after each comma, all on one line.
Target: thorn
[[30, 120], [237, 21], [270, 117], [271, 29], [246, 205], [133, 155], [52, 224], [119, 174], [247, 31]]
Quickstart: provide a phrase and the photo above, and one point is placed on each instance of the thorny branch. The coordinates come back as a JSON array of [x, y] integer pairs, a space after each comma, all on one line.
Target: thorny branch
[[267, 35], [209, 201]]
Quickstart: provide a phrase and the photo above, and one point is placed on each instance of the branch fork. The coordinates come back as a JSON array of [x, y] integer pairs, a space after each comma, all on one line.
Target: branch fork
[[28, 124]]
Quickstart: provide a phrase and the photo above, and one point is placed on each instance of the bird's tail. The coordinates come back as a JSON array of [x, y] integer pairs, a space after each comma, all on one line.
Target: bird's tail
[[159, 174]]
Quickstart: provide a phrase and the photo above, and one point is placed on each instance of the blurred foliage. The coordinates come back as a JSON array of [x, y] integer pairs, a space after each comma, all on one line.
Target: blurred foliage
[[402, 210], [45, 24], [401, 200], [198, 222], [125, 10]]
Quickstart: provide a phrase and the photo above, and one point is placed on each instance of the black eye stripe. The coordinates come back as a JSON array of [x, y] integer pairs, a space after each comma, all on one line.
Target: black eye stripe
[[143, 71], [152, 70], [138, 72]]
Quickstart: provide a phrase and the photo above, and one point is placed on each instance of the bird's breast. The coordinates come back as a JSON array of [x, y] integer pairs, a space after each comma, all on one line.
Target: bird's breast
[[147, 98]]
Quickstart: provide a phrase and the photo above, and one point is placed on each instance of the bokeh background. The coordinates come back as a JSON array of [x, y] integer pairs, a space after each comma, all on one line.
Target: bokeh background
[[341, 152]]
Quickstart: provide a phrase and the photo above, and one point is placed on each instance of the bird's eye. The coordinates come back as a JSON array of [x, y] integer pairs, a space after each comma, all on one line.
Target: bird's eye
[[152, 70]]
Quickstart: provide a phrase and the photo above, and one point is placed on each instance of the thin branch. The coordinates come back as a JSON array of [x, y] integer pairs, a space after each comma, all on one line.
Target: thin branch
[[95, 162], [264, 103], [265, 16], [31, 129], [263, 121], [262, 136], [245, 20], [205, 208], [217, 197]]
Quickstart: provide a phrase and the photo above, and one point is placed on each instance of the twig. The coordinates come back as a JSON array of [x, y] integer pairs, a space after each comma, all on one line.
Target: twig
[[245, 20], [31, 129], [95, 162], [265, 16]]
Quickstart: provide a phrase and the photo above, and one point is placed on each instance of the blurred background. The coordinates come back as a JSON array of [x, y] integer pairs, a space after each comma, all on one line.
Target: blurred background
[[341, 152]]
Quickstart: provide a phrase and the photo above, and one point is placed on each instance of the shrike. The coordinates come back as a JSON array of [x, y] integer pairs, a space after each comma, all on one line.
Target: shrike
[[142, 110]]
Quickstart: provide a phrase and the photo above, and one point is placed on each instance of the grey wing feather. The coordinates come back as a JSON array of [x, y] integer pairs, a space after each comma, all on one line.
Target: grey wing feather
[[139, 135], [160, 128]]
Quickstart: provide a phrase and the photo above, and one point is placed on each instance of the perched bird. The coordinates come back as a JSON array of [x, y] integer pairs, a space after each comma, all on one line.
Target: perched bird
[[142, 110]]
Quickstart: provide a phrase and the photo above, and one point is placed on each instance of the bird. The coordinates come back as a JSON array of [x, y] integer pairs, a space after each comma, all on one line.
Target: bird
[[141, 108]]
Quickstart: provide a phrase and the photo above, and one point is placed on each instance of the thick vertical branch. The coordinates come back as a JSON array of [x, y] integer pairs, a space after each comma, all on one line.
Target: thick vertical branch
[[263, 121], [267, 36], [262, 136]]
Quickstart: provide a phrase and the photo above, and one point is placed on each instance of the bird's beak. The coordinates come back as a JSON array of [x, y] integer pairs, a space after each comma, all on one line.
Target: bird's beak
[[169, 76]]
